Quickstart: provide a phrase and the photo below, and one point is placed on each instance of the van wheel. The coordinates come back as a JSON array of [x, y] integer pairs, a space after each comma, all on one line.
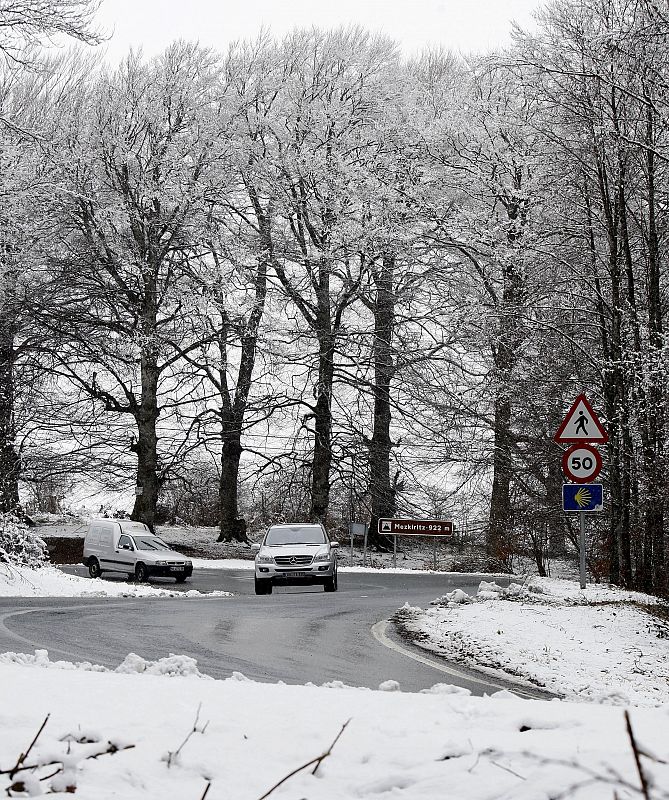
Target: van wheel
[[141, 573], [94, 568]]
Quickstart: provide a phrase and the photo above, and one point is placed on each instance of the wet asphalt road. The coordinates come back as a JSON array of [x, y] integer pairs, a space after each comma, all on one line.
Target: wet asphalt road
[[297, 634]]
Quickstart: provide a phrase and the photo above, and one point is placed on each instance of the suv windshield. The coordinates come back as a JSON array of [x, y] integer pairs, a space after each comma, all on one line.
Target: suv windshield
[[299, 534], [150, 543]]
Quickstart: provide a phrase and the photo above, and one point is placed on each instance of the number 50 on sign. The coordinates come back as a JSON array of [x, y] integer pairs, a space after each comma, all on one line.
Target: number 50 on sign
[[581, 463]]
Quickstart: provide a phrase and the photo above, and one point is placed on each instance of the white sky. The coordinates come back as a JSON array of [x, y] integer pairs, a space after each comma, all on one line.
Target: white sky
[[460, 25]]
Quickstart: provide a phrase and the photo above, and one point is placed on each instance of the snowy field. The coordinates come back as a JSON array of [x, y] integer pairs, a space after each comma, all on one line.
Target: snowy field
[[599, 644], [139, 733]]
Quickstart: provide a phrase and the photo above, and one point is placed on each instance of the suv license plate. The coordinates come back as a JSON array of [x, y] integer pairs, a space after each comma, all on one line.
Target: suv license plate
[[176, 569], [294, 574]]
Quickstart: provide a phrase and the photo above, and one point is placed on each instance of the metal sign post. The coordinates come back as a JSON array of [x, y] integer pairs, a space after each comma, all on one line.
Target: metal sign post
[[581, 463], [395, 551], [582, 548], [356, 529], [582, 498]]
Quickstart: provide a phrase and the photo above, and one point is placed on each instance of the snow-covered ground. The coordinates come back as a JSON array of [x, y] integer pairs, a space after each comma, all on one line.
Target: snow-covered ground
[[51, 582], [598, 644], [140, 734], [412, 554]]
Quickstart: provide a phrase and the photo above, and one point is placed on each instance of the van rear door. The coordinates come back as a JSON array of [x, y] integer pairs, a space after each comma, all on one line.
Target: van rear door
[[109, 533]]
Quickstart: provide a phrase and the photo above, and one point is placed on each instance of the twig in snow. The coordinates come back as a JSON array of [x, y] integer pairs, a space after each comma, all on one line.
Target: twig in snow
[[508, 769], [317, 761], [206, 790], [22, 757], [108, 751], [645, 789], [173, 756], [18, 784]]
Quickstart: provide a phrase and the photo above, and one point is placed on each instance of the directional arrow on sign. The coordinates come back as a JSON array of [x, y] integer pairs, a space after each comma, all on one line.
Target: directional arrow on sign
[[581, 425]]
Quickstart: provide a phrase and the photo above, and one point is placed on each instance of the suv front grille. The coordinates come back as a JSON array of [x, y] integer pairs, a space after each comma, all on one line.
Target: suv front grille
[[293, 561]]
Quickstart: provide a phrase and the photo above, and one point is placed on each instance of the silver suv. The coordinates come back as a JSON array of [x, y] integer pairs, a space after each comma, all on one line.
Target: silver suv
[[295, 554]]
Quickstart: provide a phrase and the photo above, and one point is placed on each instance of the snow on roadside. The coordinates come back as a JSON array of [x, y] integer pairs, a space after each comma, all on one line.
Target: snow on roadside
[[240, 563], [593, 645], [51, 582], [223, 563], [249, 564], [172, 665], [154, 737]]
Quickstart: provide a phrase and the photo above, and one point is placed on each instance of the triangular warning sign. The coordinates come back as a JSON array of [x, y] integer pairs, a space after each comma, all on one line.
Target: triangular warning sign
[[581, 424], [386, 525]]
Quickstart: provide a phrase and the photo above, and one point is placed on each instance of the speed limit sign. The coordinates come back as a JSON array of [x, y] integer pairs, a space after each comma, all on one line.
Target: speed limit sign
[[581, 463]]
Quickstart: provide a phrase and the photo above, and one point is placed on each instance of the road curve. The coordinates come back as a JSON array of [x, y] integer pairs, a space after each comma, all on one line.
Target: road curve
[[296, 635]]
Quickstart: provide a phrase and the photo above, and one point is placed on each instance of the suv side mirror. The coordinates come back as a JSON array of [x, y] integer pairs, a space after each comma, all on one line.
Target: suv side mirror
[[255, 546], [333, 545]]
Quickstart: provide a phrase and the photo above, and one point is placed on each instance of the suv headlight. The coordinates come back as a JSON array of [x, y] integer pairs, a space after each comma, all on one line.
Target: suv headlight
[[322, 556], [264, 559]]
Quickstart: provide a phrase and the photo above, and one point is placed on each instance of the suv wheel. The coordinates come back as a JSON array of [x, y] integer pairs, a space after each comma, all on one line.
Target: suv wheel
[[141, 573], [94, 568], [330, 584], [263, 586]]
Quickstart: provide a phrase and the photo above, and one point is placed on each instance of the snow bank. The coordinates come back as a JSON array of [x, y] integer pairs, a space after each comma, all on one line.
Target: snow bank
[[593, 645], [151, 737], [51, 582], [182, 666]]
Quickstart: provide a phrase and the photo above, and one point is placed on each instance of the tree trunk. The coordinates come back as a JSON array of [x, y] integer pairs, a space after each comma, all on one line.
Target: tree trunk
[[9, 460], [501, 516], [146, 447], [505, 354], [655, 467], [233, 528], [556, 526], [381, 490], [322, 459]]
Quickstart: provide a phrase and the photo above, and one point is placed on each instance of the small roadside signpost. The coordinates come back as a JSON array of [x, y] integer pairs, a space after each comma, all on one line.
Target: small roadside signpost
[[581, 463], [416, 527], [358, 529]]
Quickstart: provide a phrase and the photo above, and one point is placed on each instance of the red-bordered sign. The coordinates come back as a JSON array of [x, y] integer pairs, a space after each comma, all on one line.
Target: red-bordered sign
[[581, 463], [581, 425]]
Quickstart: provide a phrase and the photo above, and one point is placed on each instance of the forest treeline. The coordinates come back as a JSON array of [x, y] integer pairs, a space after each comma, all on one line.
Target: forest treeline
[[312, 277]]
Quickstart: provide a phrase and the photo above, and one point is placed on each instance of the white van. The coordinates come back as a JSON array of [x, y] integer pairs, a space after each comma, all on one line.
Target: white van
[[121, 545]]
